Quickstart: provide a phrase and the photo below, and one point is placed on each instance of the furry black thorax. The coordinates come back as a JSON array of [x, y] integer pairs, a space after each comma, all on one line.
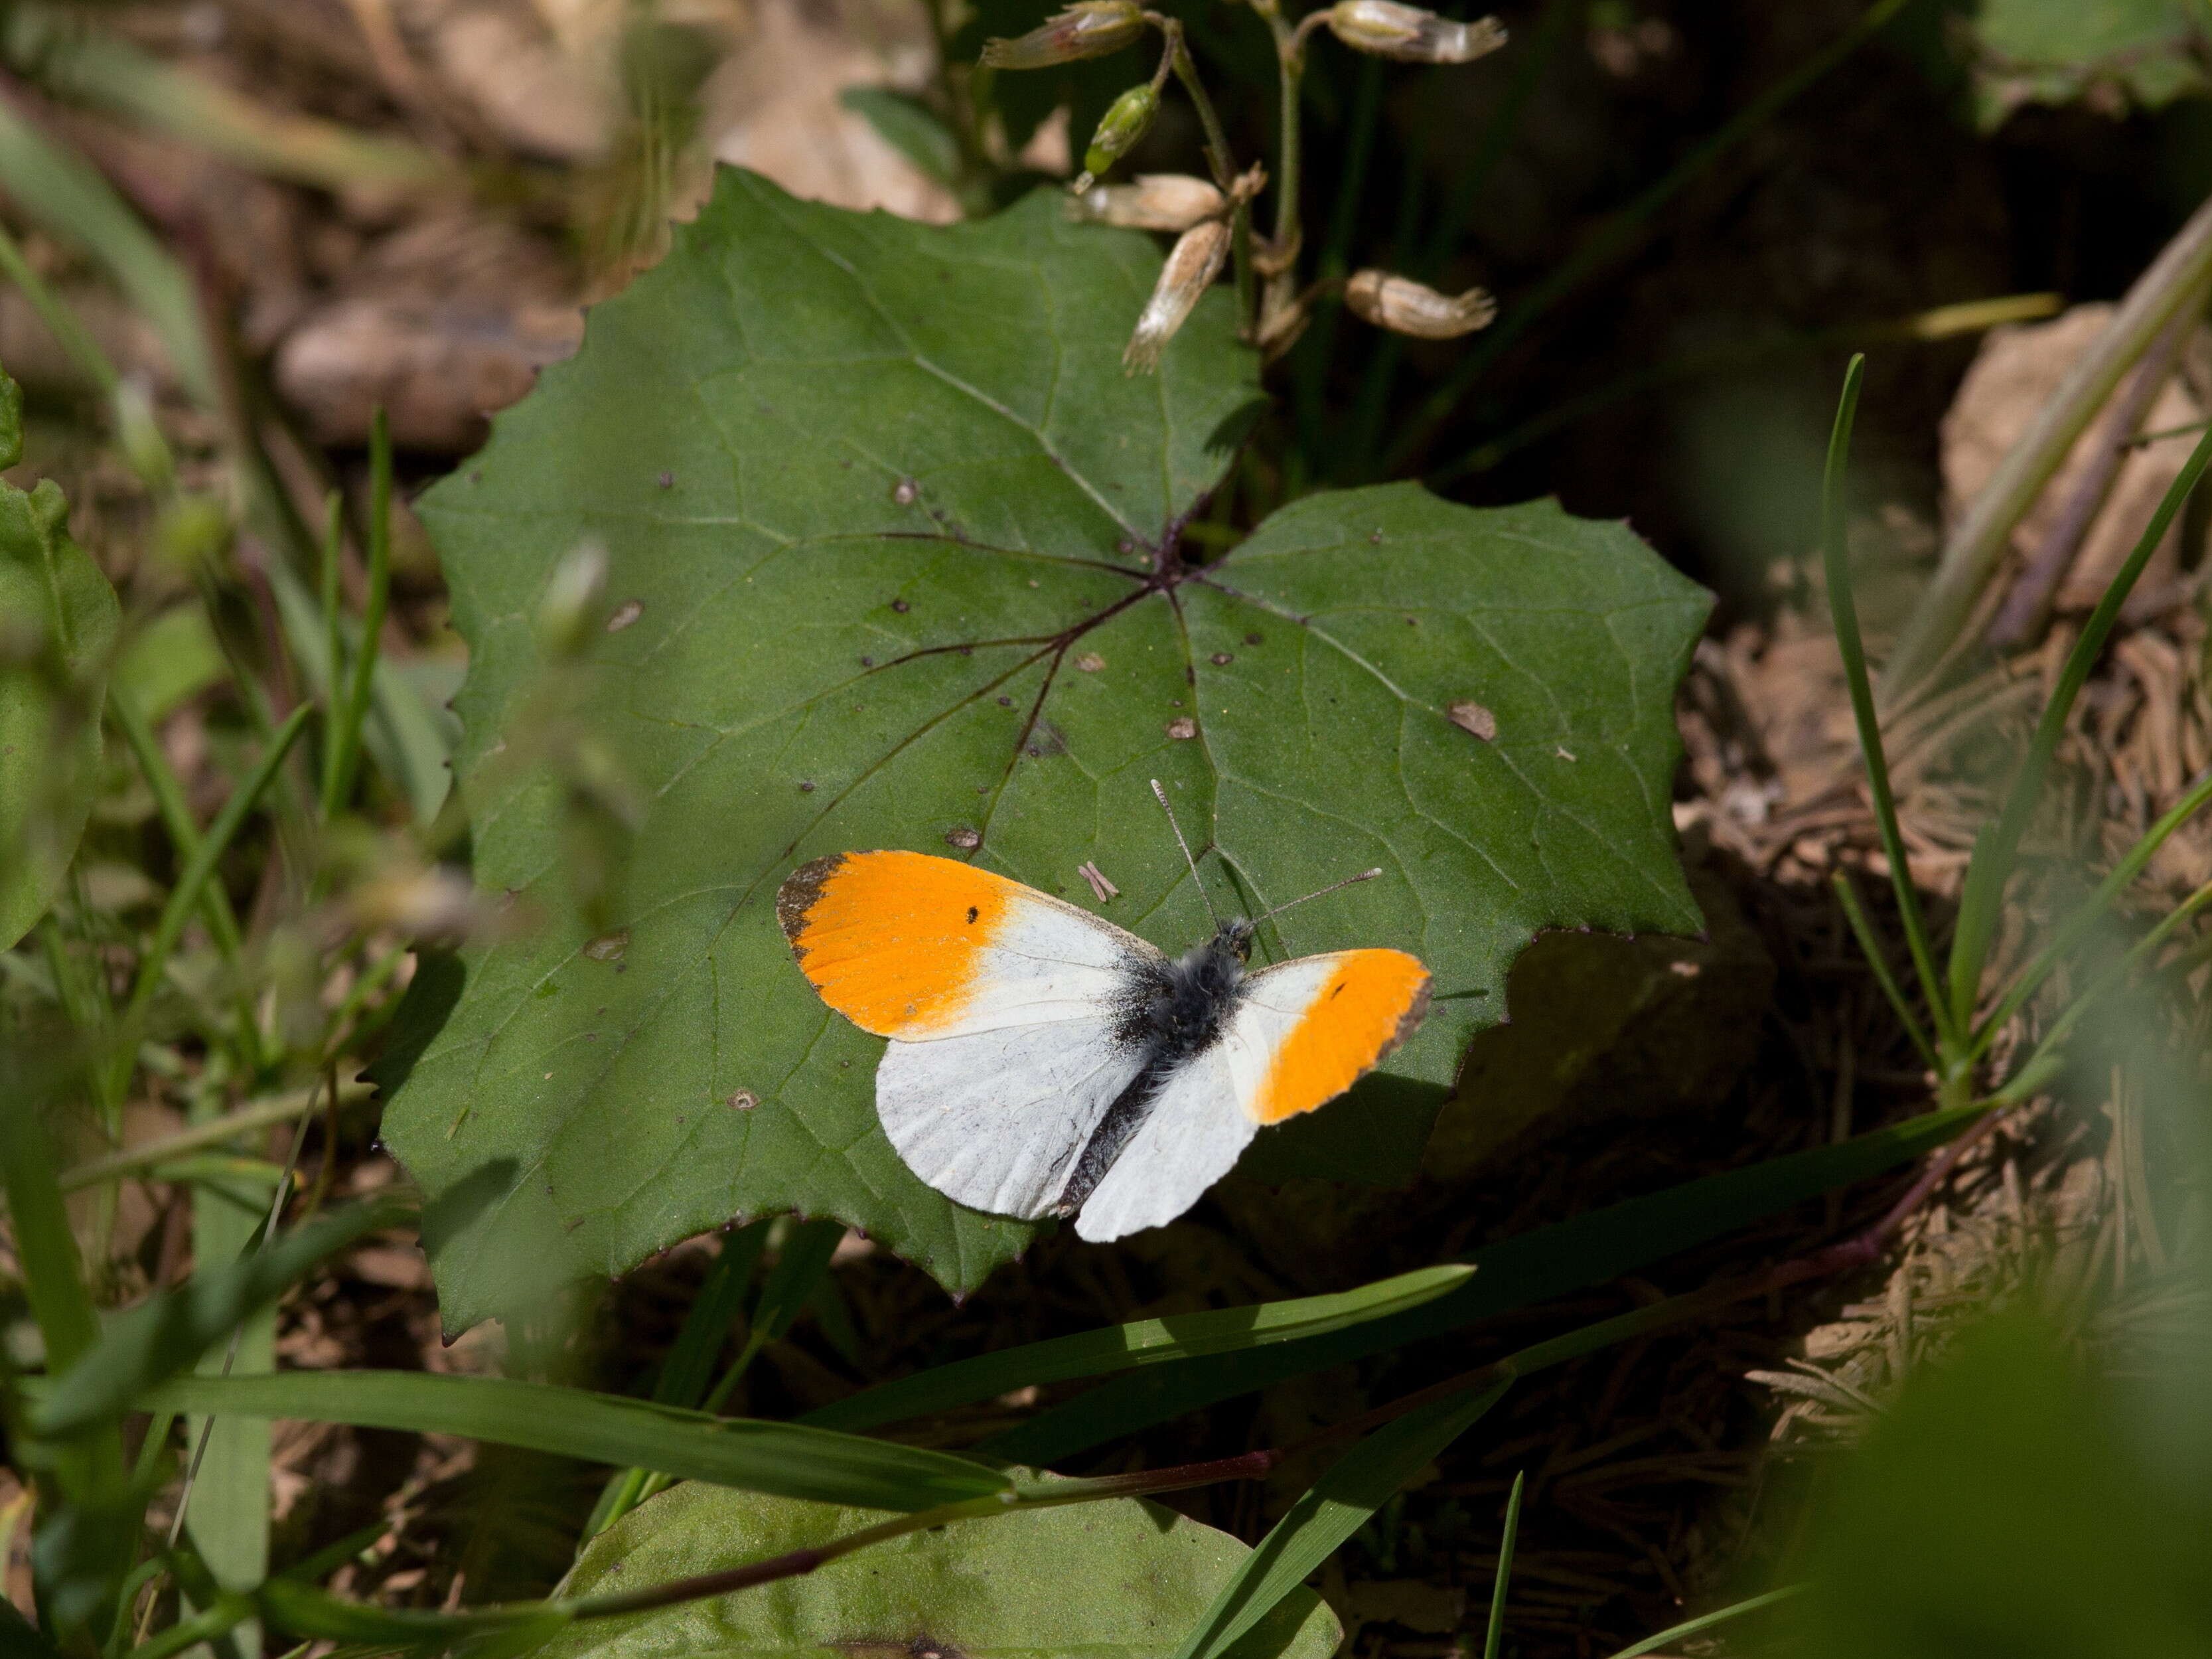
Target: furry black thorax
[[1174, 1010]]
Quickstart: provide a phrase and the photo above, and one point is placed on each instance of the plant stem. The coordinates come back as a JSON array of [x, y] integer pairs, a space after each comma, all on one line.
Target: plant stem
[[1222, 164]]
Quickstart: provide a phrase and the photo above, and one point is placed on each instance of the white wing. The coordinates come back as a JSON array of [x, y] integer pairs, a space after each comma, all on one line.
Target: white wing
[[1303, 1033], [996, 1118]]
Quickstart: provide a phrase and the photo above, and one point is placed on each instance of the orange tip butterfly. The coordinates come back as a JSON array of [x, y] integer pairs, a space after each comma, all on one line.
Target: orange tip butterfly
[[1044, 1061]]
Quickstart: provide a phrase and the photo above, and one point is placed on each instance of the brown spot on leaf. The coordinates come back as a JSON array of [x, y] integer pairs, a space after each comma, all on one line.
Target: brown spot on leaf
[[1251, 639], [906, 492], [1182, 727], [608, 947], [743, 1101], [625, 613], [963, 838], [901, 606], [1090, 662], [1222, 659], [1471, 716]]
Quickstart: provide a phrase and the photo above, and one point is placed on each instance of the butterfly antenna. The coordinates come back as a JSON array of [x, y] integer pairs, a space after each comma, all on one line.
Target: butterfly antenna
[[1162, 795], [1364, 876]]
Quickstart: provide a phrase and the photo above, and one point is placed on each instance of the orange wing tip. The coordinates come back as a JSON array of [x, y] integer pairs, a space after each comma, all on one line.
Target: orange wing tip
[[1374, 1002], [892, 940]]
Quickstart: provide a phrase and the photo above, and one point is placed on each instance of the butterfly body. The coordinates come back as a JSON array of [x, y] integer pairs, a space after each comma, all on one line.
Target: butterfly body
[[1043, 1061]]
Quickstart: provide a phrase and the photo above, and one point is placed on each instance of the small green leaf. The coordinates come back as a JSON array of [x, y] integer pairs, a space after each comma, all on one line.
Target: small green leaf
[[1117, 1579], [909, 126], [1336, 1507], [783, 1458], [1142, 1342], [892, 544], [58, 620]]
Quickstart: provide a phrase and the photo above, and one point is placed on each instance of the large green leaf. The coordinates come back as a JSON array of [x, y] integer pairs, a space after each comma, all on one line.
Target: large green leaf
[[58, 619], [893, 555], [1116, 1579]]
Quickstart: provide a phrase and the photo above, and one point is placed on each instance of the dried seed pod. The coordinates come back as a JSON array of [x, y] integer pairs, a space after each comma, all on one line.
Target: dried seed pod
[[1090, 28], [1124, 123], [1406, 306], [1412, 34], [1153, 201], [1192, 264]]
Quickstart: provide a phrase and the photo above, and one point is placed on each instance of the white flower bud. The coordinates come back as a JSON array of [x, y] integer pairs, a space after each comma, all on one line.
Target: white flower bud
[[1411, 34], [1155, 201], [1090, 28], [1192, 264], [1406, 306]]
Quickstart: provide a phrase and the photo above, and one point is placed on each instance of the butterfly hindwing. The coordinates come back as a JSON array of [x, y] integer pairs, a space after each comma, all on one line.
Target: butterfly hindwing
[[1302, 1033]]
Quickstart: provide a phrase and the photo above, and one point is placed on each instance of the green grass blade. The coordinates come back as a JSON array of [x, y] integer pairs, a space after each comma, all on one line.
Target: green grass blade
[[255, 1115], [94, 66], [176, 816], [1550, 1261], [683, 1379], [185, 897], [1143, 1342], [65, 195], [2076, 926], [782, 1458], [226, 1496], [46, 1255], [1981, 899], [2043, 1062], [169, 1332], [1705, 1621], [76, 341], [345, 748], [1847, 896], [1496, 1634], [1336, 1506], [1843, 608]]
